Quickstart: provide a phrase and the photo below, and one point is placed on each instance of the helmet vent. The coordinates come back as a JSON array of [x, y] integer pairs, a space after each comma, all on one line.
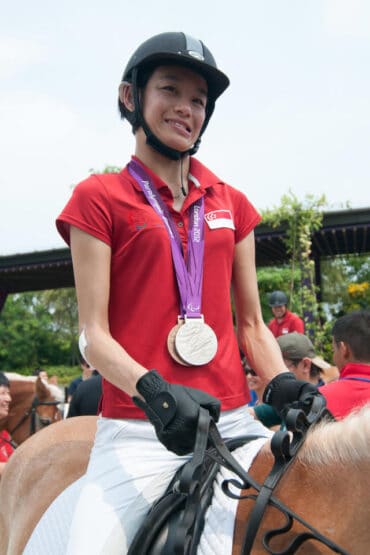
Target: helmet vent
[[196, 55], [194, 47]]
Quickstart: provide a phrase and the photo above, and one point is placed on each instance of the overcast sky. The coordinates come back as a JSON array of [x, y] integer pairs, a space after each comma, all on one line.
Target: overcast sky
[[295, 118]]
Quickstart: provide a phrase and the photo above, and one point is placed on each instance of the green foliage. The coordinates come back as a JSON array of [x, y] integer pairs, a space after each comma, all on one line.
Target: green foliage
[[63, 374], [301, 220], [277, 278], [38, 329], [106, 169], [346, 283]]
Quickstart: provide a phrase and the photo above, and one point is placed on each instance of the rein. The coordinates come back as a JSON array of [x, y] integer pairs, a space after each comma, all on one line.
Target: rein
[[10, 442], [32, 411], [284, 450]]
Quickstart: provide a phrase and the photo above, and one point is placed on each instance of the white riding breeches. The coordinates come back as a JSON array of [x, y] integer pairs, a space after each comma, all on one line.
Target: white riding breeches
[[128, 470]]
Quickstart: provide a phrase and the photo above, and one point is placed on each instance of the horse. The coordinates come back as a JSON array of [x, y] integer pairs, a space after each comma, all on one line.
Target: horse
[[34, 405], [327, 485]]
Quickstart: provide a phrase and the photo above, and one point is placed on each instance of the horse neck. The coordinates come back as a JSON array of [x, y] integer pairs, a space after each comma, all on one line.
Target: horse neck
[[22, 393]]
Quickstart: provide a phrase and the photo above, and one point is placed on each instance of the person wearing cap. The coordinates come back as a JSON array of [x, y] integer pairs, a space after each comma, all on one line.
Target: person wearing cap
[[6, 447], [164, 239], [284, 321], [300, 358], [351, 354]]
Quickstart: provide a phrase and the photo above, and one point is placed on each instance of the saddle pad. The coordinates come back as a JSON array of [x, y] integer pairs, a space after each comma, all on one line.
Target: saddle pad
[[51, 534]]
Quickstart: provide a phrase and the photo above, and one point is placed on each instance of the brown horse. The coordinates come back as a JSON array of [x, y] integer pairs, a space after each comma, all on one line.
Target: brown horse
[[34, 405], [328, 485]]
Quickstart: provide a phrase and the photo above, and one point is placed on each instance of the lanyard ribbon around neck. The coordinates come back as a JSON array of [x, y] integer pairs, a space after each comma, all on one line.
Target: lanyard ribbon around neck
[[189, 275]]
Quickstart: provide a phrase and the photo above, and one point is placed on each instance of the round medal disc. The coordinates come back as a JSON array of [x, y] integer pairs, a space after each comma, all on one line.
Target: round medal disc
[[196, 342], [171, 344]]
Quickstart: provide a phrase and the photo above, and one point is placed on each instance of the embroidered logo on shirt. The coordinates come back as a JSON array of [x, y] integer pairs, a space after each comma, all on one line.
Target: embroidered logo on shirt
[[219, 218]]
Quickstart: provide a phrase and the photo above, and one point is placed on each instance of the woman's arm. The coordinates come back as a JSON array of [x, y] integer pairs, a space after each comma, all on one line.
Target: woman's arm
[[255, 339], [91, 266]]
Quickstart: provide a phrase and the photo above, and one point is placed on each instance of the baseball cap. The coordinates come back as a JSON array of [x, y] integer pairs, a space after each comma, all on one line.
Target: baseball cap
[[295, 346]]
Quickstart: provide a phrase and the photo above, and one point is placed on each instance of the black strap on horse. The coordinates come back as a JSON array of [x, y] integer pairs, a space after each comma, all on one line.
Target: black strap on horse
[[284, 450], [186, 491], [32, 412], [175, 522], [10, 442]]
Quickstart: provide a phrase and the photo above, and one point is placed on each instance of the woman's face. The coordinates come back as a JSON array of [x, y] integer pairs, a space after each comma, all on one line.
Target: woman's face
[[254, 381], [174, 105], [4, 401]]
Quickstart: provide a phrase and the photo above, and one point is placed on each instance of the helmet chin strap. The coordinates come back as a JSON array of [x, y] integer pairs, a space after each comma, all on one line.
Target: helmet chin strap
[[162, 148]]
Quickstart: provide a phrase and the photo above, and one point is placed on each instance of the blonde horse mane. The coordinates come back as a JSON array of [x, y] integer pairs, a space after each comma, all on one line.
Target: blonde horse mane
[[14, 376], [339, 443], [55, 391]]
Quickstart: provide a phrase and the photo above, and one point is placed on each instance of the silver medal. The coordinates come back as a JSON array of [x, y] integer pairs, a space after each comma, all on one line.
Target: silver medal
[[196, 342]]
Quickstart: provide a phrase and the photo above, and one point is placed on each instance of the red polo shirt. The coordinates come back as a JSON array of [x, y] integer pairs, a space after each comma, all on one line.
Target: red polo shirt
[[350, 391], [291, 322], [144, 299], [5, 448]]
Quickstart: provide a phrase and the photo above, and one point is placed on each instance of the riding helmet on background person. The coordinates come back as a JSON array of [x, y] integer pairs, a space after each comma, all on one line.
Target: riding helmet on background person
[[170, 48], [278, 298]]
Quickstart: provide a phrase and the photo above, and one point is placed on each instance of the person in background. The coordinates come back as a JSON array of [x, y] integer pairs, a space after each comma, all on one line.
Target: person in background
[[6, 447], [256, 386], [86, 398], [300, 358], [41, 373], [283, 321], [351, 354], [86, 372]]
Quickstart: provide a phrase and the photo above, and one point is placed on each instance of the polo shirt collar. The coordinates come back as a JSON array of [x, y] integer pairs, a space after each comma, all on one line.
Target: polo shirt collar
[[201, 176]]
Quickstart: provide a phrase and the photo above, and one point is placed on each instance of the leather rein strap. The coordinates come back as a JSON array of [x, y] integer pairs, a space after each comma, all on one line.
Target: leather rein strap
[[284, 450], [32, 412]]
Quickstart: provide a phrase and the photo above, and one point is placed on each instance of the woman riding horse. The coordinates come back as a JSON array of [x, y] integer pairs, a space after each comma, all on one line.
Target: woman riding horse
[[155, 251]]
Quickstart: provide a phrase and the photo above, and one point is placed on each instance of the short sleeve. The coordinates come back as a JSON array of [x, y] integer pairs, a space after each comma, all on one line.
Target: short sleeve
[[89, 210], [246, 216]]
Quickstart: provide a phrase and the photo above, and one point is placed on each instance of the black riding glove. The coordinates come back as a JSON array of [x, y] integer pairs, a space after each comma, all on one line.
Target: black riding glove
[[284, 392], [173, 410]]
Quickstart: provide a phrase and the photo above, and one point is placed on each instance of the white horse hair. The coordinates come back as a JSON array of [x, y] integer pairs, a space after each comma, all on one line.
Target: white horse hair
[[346, 441]]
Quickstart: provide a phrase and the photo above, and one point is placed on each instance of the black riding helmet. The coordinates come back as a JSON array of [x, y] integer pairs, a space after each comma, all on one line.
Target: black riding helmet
[[278, 298], [180, 49]]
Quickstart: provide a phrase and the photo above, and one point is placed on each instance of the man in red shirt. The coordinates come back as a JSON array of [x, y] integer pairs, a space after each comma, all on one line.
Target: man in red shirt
[[6, 448], [351, 346], [284, 321]]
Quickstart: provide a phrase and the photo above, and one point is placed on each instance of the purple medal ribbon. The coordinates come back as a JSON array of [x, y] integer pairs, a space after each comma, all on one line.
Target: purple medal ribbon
[[190, 275]]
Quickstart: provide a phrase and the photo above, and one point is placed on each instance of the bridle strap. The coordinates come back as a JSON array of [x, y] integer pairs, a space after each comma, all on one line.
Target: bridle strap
[[285, 452], [31, 411]]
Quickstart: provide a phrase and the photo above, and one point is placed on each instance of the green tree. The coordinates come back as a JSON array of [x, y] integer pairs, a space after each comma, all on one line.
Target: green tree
[[274, 278], [301, 220], [37, 329], [346, 283]]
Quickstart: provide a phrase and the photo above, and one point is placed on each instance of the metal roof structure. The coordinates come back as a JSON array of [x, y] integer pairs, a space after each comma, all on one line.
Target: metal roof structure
[[343, 232]]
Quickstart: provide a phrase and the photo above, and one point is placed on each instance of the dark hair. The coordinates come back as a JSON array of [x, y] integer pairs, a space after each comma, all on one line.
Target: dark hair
[[37, 371], [143, 77], [4, 380], [315, 371], [354, 329]]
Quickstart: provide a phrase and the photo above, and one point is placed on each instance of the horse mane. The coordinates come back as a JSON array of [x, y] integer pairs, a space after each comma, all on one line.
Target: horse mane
[[14, 376], [341, 442], [55, 391]]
